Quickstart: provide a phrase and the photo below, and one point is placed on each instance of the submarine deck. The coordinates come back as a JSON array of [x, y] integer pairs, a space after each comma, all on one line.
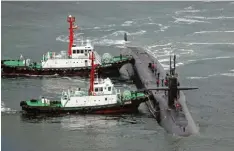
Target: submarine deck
[[174, 121]]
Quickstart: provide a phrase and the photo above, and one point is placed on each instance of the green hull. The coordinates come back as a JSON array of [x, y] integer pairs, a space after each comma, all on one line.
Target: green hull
[[125, 105], [15, 68]]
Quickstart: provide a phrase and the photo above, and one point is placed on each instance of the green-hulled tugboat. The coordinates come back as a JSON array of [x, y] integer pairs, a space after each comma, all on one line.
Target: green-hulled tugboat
[[102, 98], [75, 62]]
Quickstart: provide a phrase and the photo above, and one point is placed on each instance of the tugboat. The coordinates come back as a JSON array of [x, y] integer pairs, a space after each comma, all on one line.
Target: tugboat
[[73, 63], [102, 98]]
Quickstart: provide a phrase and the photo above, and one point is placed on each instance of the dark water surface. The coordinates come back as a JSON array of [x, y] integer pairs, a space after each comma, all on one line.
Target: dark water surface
[[200, 33]]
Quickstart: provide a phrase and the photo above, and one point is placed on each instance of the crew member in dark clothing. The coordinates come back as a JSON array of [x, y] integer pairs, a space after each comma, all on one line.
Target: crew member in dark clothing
[[166, 82], [150, 64], [152, 67], [166, 79], [157, 82], [162, 81], [155, 68], [178, 91], [167, 76]]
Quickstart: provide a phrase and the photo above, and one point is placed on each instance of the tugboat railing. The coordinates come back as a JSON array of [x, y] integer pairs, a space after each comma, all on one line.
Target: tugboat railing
[[97, 56]]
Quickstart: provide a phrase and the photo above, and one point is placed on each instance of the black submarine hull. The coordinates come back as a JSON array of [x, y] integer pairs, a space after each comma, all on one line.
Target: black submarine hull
[[174, 122]]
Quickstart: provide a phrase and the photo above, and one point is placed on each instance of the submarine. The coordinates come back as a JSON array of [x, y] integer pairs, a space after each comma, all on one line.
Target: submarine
[[167, 101]]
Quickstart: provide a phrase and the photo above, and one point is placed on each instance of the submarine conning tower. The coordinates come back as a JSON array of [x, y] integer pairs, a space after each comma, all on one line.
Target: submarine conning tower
[[172, 84], [172, 92]]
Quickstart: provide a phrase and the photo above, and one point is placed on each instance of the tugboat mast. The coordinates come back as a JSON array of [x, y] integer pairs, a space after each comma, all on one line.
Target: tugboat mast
[[71, 20], [92, 72]]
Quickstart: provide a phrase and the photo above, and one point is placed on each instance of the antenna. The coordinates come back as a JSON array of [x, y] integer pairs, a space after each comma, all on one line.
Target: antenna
[[92, 72], [174, 64], [71, 20], [170, 65], [125, 37]]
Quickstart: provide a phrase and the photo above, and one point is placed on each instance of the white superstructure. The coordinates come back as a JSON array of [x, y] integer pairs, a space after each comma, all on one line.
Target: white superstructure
[[104, 94], [79, 58]]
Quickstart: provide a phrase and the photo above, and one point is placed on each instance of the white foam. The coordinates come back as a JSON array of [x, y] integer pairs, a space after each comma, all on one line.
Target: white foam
[[188, 11], [214, 58], [197, 77], [159, 45], [127, 23], [165, 66], [111, 25], [151, 23], [179, 64], [121, 32], [232, 70], [222, 74], [204, 77], [64, 38], [228, 74], [108, 29], [210, 18], [187, 8], [220, 9], [221, 17], [109, 42], [163, 60], [164, 28], [5, 109], [188, 21], [213, 75], [204, 32], [97, 28], [186, 51], [209, 1], [206, 43]]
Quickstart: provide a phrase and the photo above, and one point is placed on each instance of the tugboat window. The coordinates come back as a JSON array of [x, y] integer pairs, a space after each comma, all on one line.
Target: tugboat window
[[86, 51], [96, 89], [101, 89], [106, 99], [82, 51], [109, 88], [74, 51], [78, 51], [89, 50]]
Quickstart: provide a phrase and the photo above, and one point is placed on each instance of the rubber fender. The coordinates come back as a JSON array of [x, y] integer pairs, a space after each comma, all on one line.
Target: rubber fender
[[22, 103]]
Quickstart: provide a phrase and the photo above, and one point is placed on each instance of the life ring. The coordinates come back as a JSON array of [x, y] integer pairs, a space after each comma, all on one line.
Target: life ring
[[94, 94]]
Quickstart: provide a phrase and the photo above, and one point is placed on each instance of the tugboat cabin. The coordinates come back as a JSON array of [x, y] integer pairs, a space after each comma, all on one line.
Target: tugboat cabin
[[103, 86], [79, 57]]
